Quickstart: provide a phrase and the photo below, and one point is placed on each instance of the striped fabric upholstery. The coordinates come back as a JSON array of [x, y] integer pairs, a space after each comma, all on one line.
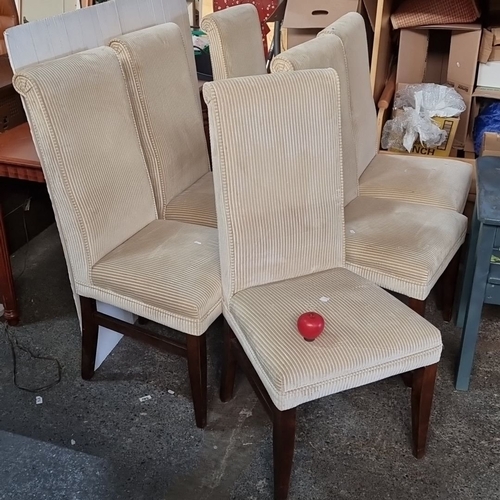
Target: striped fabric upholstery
[[271, 228], [196, 205], [168, 272], [369, 335], [443, 183], [116, 249], [350, 30], [235, 42], [166, 107], [327, 52], [280, 211], [386, 233], [426, 181], [402, 247], [88, 143]]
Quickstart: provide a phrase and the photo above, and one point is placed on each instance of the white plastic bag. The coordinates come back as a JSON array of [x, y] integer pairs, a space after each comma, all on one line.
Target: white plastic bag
[[415, 106]]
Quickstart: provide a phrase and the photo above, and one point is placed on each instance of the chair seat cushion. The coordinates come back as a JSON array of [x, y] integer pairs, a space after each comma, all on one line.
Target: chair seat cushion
[[369, 335], [403, 247], [196, 205], [442, 183], [168, 272]]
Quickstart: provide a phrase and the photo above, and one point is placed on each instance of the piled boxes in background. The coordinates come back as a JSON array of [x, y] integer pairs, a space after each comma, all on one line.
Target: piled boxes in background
[[445, 54], [488, 74], [303, 20]]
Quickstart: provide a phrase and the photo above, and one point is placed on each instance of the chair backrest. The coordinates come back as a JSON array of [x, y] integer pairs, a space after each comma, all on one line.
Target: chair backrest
[[8, 18], [167, 113], [92, 27], [327, 52], [350, 29], [90, 153], [278, 176], [235, 42]]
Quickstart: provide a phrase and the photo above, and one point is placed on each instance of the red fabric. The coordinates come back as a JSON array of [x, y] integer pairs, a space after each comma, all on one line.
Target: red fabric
[[264, 7]]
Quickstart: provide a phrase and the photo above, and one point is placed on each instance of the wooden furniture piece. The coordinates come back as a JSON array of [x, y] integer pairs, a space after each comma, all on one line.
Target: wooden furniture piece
[[482, 272], [8, 18], [18, 160]]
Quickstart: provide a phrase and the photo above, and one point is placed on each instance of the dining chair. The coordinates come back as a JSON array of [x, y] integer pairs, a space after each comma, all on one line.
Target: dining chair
[[442, 183], [169, 120], [400, 243], [117, 248], [235, 42], [282, 253]]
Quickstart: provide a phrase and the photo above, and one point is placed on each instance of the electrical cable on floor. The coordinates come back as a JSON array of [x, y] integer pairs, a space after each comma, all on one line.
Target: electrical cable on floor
[[14, 344], [11, 338]]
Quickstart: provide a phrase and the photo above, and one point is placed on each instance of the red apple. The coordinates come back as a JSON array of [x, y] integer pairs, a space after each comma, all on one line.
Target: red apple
[[310, 325]]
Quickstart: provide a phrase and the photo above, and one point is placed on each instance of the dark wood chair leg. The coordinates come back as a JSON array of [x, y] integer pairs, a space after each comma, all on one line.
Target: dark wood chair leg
[[197, 365], [228, 366], [417, 305], [407, 379], [283, 449], [90, 332], [438, 293], [7, 290], [422, 393], [449, 286]]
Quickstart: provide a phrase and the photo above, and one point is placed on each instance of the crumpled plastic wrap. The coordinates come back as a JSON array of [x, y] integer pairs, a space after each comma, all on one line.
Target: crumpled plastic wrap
[[415, 106]]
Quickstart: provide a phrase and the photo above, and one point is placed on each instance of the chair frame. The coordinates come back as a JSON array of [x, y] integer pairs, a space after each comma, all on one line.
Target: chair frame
[[421, 382], [194, 350]]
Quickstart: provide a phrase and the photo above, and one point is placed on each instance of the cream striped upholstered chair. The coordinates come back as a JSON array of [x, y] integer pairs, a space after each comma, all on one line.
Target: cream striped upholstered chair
[[281, 238], [442, 183], [399, 242], [118, 249], [235, 42], [170, 124]]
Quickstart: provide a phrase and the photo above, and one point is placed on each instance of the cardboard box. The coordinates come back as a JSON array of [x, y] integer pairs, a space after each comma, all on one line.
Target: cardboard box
[[479, 93], [448, 124], [488, 74], [491, 144], [444, 54], [490, 45], [303, 20]]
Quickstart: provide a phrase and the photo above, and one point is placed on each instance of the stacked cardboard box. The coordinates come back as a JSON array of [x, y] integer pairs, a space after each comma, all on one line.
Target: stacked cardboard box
[[445, 54], [489, 59], [303, 20]]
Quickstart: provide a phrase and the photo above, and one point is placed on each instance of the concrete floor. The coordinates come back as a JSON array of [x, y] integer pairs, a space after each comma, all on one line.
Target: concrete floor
[[96, 440]]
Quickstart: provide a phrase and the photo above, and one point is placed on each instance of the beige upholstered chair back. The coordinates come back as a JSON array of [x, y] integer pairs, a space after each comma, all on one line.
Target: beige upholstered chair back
[[350, 29], [278, 176], [327, 52], [90, 153], [166, 107], [236, 47]]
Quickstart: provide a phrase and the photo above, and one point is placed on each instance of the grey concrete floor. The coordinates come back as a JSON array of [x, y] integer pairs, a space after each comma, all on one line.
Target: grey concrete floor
[[96, 440]]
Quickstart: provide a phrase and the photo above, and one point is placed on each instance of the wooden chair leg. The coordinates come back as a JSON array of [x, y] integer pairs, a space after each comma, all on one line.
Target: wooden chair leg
[[417, 305], [90, 332], [421, 403], [449, 286], [197, 366], [283, 449], [407, 379], [228, 366]]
